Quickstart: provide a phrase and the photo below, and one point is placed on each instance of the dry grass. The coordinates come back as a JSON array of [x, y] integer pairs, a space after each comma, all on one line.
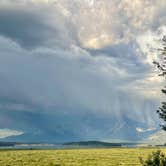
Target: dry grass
[[75, 157]]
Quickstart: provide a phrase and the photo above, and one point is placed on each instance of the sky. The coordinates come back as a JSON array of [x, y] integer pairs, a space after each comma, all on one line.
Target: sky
[[80, 69]]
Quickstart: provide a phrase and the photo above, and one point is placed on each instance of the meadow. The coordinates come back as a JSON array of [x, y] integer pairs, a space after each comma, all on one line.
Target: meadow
[[75, 157]]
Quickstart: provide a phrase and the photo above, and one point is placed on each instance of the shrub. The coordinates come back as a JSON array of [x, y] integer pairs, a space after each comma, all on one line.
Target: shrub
[[155, 159]]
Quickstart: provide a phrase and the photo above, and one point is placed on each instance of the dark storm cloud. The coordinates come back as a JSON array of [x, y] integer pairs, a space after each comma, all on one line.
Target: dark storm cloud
[[34, 27], [47, 93], [24, 27]]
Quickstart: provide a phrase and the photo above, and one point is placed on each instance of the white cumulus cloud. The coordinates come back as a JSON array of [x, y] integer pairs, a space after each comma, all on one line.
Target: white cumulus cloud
[[4, 133]]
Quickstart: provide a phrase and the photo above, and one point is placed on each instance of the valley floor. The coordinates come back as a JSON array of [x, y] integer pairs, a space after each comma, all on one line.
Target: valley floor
[[75, 157]]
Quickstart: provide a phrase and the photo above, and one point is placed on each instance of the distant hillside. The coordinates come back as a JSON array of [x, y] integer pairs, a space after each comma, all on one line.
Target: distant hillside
[[7, 144], [98, 144]]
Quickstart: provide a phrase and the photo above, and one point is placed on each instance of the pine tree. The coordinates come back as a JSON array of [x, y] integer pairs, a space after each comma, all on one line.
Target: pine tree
[[161, 64]]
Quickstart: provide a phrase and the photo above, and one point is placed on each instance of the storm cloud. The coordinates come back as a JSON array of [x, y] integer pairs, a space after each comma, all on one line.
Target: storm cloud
[[67, 67]]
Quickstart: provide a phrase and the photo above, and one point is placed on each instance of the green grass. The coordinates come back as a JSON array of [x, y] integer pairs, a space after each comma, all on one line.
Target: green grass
[[74, 157]]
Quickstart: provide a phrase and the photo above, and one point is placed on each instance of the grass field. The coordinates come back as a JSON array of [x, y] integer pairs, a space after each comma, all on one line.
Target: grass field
[[75, 157]]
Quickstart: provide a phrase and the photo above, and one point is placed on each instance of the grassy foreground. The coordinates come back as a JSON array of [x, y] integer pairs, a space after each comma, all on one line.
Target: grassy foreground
[[75, 157]]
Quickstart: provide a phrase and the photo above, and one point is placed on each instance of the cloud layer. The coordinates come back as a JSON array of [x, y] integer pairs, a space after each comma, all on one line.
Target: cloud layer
[[66, 67]]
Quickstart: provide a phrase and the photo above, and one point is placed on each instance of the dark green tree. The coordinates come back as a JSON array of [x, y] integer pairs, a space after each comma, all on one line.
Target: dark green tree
[[158, 158], [155, 159], [161, 65]]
